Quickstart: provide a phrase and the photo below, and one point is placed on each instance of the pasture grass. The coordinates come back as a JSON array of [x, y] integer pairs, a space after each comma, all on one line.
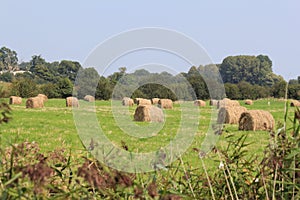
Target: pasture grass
[[53, 127]]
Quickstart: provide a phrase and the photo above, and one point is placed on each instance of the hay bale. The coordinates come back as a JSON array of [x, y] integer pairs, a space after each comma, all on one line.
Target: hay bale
[[230, 114], [15, 100], [72, 101], [144, 102], [44, 97], [248, 102], [35, 102], [126, 101], [199, 103], [148, 113], [295, 103], [136, 100], [213, 102], [227, 102], [154, 100], [165, 103], [89, 98], [254, 120]]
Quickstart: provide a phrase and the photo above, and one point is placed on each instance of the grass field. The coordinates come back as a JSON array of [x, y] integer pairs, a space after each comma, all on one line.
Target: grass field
[[53, 127]]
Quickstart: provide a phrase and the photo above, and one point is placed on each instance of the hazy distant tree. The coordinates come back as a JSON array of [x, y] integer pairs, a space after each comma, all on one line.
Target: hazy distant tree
[[232, 91], [86, 82], [8, 59], [104, 89], [279, 89]]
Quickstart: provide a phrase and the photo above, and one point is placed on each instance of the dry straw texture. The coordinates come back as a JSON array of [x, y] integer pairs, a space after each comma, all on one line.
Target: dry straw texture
[[155, 100], [227, 102], [136, 100], [199, 103], [44, 97], [148, 113], [126, 101], [255, 120], [248, 102], [295, 103], [165, 103], [89, 98], [72, 101], [213, 102], [230, 114], [35, 102], [141, 102], [15, 100]]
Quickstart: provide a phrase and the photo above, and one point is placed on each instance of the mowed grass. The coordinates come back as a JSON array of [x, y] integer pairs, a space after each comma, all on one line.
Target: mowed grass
[[53, 127]]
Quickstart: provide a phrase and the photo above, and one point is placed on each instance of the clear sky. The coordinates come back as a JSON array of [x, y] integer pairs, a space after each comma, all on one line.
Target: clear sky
[[72, 29]]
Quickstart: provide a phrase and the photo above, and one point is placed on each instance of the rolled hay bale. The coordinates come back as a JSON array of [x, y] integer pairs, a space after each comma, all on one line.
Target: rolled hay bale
[[15, 100], [295, 103], [227, 102], [35, 102], [154, 100], [126, 101], [72, 101], [144, 102], [230, 114], [248, 102], [165, 103], [148, 113], [89, 98], [44, 97], [213, 102], [136, 100], [255, 120], [199, 103]]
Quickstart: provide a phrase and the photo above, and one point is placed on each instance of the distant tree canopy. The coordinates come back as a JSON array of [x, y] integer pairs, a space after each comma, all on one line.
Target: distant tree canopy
[[245, 77], [254, 70]]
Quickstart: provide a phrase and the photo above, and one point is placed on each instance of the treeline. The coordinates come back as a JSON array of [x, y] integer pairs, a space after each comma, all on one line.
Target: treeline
[[244, 77]]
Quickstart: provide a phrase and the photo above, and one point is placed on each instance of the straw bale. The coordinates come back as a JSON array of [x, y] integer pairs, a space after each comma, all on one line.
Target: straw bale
[[126, 101], [230, 114], [199, 103], [148, 113], [15, 100], [144, 102], [165, 103], [35, 102], [295, 103], [256, 120], [72, 101], [89, 98], [44, 97], [227, 102], [154, 100], [248, 102]]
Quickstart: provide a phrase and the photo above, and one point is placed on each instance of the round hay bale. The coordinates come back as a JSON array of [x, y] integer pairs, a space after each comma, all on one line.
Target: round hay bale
[[72, 101], [154, 100], [136, 100], [213, 102], [295, 103], [227, 102], [230, 114], [148, 113], [44, 97], [254, 120], [144, 102], [15, 100], [248, 102], [89, 98], [126, 101], [199, 103], [165, 103], [35, 102]]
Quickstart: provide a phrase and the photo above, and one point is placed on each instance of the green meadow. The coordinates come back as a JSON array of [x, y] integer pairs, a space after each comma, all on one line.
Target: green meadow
[[53, 127]]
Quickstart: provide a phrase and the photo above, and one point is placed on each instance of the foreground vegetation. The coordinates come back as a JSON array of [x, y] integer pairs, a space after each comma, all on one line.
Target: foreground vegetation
[[42, 156]]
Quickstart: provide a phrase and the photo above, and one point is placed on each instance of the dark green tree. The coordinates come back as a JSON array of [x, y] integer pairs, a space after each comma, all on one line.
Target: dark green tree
[[69, 69], [24, 88], [86, 82]]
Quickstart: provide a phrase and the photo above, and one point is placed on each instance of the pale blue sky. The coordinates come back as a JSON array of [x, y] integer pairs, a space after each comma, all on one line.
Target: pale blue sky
[[71, 30]]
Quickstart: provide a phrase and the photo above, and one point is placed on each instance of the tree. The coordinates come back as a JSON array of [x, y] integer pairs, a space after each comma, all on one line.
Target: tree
[[8, 59], [64, 87], [24, 88], [86, 82], [232, 91], [104, 89], [197, 83], [69, 69], [254, 70], [279, 89]]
